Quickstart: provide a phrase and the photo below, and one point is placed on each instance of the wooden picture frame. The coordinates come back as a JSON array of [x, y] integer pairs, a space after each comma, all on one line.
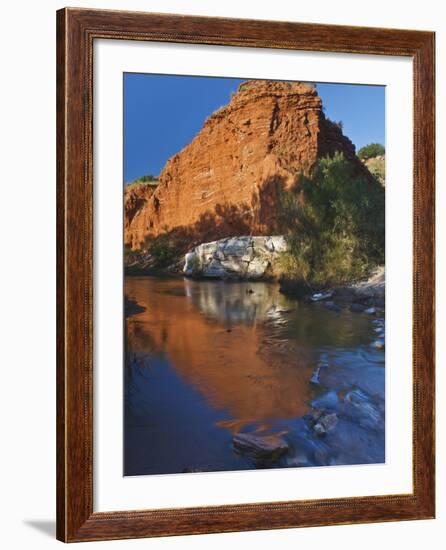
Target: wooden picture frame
[[76, 31]]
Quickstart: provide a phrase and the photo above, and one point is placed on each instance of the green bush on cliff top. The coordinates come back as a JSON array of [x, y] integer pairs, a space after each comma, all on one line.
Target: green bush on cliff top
[[147, 179], [334, 224], [371, 150]]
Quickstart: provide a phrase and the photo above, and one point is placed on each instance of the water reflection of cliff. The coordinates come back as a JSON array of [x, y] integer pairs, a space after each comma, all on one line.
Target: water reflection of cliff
[[240, 303], [225, 340]]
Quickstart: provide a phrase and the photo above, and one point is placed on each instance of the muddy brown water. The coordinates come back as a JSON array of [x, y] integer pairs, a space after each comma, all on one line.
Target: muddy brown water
[[208, 359]]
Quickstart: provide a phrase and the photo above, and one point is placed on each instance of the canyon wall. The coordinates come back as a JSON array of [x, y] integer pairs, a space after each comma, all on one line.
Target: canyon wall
[[227, 180]]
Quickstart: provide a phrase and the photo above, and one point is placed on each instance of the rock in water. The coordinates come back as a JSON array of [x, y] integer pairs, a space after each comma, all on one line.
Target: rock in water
[[378, 344], [324, 423], [320, 296], [228, 179], [235, 258], [315, 376], [264, 449], [359, 407]]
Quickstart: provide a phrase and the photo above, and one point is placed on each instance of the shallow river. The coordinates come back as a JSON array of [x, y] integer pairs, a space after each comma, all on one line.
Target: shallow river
[[208, 359]]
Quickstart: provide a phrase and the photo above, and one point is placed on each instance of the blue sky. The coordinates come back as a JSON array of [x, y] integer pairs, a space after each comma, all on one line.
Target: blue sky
[[162, 113]]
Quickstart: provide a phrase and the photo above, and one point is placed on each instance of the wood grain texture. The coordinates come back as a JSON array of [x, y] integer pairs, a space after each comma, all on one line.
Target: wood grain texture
[[76, 31]]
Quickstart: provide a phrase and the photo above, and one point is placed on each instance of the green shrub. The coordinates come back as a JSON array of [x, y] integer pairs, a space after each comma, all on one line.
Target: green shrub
[[146, 178], [164, 250], [142, 181], [334, 225], [371, 150]]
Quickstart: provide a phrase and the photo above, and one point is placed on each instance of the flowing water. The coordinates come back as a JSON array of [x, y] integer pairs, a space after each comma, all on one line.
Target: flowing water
[[208, 359]]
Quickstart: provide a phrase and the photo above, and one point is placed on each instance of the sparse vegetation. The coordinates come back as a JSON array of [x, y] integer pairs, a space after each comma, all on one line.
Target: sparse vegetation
[[371, 150], [164, 250], [339, 124], [244, 85], [334, 224], [373, 156], [147, 179], [377, 167]]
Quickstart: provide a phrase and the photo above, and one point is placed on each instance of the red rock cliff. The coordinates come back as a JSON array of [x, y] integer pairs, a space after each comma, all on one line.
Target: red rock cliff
[[226, 181], [136, 196]]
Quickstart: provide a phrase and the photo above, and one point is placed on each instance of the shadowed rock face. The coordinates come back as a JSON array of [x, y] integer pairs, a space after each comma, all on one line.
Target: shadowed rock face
[[227, 180], [136, 196]]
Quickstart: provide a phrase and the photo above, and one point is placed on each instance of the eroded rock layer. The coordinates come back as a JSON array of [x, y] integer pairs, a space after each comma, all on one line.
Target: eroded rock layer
[[226, 182], [136, 196]]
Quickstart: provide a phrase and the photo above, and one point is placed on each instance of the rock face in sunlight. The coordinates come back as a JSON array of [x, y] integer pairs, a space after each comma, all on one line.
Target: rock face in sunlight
[[235, 258], [228, 180]]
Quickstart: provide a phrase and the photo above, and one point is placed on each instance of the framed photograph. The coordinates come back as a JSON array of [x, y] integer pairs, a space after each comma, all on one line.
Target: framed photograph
[[245, 275]]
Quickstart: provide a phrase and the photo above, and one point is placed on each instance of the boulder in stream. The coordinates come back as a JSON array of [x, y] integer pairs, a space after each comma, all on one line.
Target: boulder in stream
[[243, 257], [263, 449]]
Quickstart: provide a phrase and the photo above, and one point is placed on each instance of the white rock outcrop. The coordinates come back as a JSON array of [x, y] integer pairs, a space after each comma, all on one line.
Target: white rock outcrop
[[235, 257]]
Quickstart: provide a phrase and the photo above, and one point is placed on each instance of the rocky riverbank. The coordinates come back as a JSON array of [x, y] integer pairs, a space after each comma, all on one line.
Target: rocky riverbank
[[232, 258], [245, 258], [359, 295], [258, 258], [345, 423]]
